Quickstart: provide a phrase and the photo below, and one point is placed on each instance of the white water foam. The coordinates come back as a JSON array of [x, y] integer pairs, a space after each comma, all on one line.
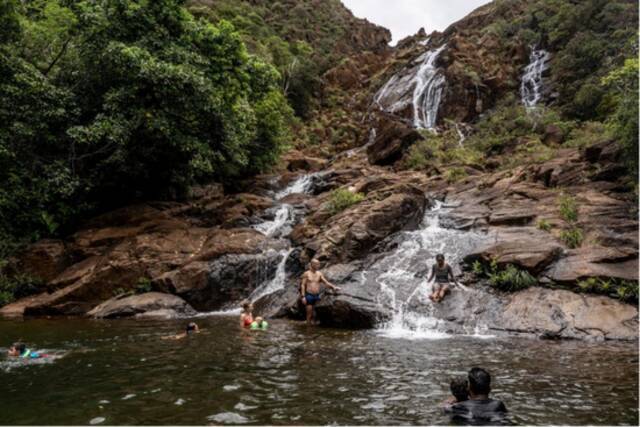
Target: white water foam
[[278, 280], [531, 85], [429, 85], [404, 292]]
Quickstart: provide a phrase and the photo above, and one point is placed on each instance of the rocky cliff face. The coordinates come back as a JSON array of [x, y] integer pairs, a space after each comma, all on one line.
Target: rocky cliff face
[[399, 133]]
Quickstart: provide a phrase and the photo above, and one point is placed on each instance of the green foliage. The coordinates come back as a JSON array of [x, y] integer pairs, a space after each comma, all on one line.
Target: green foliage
[[143, 285], [341, 199], [625, 290], [572, 237], [543, 225], [568, 208], [623, 84], [14, 287], [587, 134], [455, 174], [509, 279], [104, 103]]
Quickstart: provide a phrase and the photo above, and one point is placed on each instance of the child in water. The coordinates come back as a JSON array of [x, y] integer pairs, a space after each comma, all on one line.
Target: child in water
[[259, 323], [20, 350], [191, 328]]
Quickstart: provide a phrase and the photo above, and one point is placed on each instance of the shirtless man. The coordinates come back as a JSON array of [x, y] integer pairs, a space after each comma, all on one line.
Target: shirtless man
[[310, 288]]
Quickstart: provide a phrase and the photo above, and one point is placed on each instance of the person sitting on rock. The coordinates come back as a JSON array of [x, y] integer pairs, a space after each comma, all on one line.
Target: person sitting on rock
[[479, 407], [191, 328], [310, 288], [443, 274], [459, 392], [20, 349], [246, 317]]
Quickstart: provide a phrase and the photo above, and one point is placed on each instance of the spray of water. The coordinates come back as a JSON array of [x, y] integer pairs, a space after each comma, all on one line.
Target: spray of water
[[429, 85]]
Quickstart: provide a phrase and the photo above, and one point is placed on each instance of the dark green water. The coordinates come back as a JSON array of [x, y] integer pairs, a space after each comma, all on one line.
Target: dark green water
[[120, 372]]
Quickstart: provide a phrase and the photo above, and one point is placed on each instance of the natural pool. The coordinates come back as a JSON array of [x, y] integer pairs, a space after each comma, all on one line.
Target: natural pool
[[121, 372]]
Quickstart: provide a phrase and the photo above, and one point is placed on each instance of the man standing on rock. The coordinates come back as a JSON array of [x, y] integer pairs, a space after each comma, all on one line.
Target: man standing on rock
[[310, 288]]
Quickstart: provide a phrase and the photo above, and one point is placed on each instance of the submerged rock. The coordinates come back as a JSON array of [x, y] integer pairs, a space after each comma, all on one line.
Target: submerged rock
[[149, 305]]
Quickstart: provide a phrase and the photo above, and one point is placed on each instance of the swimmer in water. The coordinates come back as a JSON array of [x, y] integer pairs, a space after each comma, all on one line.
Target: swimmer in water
[[191, 328], [20, 350], [459, 392], [246, 317]]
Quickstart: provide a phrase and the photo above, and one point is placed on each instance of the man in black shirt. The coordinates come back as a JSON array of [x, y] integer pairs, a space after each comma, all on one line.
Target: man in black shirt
[[479, 407]]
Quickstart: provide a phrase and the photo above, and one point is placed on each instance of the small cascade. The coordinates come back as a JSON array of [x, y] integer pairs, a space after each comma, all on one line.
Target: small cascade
[[278, 280], [401, 275], [531, 85], [429, 85], [284, 218]]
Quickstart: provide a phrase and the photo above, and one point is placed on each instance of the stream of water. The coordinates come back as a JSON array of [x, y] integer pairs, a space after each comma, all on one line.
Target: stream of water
[[121, 372], [531, 85]]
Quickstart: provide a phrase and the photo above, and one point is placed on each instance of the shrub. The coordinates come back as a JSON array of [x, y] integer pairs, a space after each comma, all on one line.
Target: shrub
[[543, 224], [568, 208], [511, 279], [143, 285], [455, 174], [341, 199], [572, 237], [15, 287], [625, 290]]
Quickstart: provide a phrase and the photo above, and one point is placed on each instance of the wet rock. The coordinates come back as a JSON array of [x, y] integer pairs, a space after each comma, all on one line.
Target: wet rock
[[524, 247], [392, 139], [563, 314], [297, 161], [582, 263], [151, 304], [43, 260]]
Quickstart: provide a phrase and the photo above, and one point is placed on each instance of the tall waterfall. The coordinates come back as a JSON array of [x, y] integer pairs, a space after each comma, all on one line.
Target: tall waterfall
[[397, 275], [429, 84], [421, 89], [531, 85]]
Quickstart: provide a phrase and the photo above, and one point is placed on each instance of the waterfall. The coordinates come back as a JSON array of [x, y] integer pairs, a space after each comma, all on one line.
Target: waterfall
[[397, 273], [531, 85], [429, 84], [284, 218], [421, 89]]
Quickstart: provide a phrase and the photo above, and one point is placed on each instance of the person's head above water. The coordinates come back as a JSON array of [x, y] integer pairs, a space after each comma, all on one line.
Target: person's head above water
[[247, 307], [314, 264], [192, 327], [17, 349], [479, 382], [440, 259], [459, 389]]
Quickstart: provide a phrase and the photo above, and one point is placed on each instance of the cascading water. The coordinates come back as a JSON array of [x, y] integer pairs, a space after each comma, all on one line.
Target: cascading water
[[531, 85], [429, 84], [396, 274], [280, 226], [421, 90]]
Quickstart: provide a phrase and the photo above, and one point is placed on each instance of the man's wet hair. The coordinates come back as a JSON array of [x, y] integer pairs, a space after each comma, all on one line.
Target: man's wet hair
[[479, 381], [245, 304], [20, 346], [459, 389], [191, 326], [440, 256]]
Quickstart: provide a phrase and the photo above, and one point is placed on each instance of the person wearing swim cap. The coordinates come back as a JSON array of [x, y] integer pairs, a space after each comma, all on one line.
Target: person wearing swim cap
[[20, 350]]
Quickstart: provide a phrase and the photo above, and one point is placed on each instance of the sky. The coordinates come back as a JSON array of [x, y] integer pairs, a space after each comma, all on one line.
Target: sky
[[405, 17]]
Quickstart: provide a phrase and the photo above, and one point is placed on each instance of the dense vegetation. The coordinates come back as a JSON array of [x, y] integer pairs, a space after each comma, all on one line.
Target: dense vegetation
[[107, 102]]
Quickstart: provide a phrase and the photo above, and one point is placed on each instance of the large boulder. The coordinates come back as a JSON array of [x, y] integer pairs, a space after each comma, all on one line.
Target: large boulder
[[525, 247], [392, 139], [151, 304], [586, 262]]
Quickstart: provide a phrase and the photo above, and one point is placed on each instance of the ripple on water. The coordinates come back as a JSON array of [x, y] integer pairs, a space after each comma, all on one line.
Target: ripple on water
[[97, 420], [228, 418]]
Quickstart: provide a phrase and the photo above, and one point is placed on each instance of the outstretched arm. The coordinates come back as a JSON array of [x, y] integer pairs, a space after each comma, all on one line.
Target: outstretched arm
[[433, 273], [326, 282]]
